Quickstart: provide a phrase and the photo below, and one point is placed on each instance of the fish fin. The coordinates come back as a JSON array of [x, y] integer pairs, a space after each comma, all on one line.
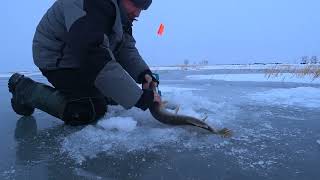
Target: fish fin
[[205, 118], [162, 106], [177, 109]]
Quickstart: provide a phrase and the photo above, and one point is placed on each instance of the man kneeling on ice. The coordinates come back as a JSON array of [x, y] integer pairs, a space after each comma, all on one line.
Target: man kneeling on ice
[[86, 51]]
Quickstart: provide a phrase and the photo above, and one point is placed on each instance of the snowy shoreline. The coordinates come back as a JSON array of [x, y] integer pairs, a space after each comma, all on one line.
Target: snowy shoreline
[[202, 67], [234, 67], [26, 73], [254, 77], [283, 72]]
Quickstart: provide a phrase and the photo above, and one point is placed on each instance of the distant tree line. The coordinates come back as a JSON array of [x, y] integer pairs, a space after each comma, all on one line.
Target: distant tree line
[[204, 62], [309, 60]]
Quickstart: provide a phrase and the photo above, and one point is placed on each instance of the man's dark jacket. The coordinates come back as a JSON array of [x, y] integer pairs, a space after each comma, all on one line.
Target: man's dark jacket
[[95, 34]]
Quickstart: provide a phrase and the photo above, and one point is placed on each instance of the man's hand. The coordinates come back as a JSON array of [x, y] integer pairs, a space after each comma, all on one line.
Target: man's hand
[[150, 93], [149, 84]]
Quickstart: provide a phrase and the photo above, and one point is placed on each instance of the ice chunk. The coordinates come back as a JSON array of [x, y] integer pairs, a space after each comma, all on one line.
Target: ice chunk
[[118, 131], [120, 123]]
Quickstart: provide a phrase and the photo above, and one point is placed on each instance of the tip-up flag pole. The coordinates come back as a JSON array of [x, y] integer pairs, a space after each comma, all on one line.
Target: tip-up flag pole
[[160, 30]]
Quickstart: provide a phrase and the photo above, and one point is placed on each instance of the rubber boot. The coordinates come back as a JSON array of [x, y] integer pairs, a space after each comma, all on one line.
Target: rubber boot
[[28, 95]]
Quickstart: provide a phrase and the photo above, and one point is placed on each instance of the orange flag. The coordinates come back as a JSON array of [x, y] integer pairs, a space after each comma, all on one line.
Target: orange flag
[[161, 29]]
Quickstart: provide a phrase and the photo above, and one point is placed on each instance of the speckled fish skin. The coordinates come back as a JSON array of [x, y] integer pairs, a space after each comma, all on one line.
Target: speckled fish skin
[[159, 112]]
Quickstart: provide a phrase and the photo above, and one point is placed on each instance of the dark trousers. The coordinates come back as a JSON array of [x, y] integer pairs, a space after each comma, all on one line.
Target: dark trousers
[[85, 103]]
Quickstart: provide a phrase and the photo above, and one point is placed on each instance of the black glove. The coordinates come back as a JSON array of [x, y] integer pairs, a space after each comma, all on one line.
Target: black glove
[[142, 79], [146, 99]]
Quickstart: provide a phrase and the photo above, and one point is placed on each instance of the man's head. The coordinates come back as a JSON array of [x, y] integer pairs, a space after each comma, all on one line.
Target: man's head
[[134, 7]]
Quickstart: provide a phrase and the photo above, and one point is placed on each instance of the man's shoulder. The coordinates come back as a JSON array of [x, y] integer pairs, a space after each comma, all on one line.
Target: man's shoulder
[[103, 3]]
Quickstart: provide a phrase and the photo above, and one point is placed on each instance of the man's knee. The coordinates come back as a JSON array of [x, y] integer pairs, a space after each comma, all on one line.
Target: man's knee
[[84, 111]]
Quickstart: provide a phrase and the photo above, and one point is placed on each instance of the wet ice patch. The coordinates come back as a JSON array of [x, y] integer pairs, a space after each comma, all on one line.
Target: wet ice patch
[[85, 174], [286, 77], [252, 148], [291, 118], [301, 96]]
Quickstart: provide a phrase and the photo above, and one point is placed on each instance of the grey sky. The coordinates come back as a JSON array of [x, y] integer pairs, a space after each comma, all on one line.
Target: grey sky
[[229, 31]]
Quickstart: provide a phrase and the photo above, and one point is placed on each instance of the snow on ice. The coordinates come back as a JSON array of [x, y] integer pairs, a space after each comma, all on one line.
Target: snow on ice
[[286, 77], [300, 96]]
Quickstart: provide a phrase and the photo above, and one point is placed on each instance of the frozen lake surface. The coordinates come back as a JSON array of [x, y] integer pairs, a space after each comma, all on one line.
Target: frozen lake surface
[[275, 122]]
